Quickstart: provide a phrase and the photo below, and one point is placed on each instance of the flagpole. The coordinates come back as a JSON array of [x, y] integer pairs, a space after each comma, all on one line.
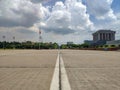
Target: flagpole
[[39, 38], [39, 42], [4, 42], [14, 42]]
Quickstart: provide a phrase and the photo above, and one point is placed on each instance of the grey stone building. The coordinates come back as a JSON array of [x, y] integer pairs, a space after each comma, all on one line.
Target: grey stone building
[[100, 37], [69, 43], [89, 42], [104, 35]]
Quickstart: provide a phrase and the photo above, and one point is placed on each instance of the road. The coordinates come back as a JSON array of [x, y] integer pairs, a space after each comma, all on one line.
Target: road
[[59, 70]]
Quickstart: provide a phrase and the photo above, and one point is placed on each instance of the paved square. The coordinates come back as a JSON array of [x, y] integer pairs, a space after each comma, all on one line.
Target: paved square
[[26, 69], [84, 70], [92, 70]]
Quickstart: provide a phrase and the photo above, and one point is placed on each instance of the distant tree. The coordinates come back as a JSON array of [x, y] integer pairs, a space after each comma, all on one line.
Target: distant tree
[[101, 46], [106, 45], [85, 45], [55, 45], [118, 45], [64, 46], [113, 46]]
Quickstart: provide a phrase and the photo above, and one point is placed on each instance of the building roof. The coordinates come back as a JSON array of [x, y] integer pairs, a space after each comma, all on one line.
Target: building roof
[[103, 31]]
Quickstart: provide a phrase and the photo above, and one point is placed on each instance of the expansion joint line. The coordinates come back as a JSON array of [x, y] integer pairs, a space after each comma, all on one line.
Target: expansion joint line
[[60, 85]]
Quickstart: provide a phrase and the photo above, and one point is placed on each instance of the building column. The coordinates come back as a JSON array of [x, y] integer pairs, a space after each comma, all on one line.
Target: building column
[[101, 36], [93, 37], [110, 36], [98, 36], [113, 36], [106, 36]]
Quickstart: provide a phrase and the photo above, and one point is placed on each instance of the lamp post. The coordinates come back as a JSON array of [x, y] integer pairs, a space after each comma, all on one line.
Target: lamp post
[[3, 42], [13, 42]]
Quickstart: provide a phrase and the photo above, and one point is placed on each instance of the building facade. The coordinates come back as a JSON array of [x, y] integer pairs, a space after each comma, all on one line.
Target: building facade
[[115, 42], [89, 42], [69, 43], [104, 35]]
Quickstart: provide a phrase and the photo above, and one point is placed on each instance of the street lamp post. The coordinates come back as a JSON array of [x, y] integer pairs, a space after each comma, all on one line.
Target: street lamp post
[[13, 42], [3, 42]]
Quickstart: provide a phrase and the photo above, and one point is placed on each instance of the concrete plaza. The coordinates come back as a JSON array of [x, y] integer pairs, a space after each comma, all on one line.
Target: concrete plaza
[[34, 69], [26, 69], [92, 70]]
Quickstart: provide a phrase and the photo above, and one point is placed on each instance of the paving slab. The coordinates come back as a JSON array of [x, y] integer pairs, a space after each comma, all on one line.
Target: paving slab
[[25, 78], [27, 69], [92, 70]]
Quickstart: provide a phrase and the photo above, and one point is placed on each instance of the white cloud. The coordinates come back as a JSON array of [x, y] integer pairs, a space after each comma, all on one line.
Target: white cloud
[[68, 17], [79, 16], [21, 13], [59, 6]]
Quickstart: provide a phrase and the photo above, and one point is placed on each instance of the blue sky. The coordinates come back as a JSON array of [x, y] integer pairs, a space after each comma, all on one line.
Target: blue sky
[[116, 6], [59, 20]]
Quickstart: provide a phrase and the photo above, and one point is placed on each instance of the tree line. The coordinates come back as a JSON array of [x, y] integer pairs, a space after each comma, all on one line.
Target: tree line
[[37, 45], [28, 45], [50, 45]]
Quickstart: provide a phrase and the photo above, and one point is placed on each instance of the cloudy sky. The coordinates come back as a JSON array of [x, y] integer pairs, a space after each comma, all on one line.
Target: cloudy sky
[[59, 20]]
